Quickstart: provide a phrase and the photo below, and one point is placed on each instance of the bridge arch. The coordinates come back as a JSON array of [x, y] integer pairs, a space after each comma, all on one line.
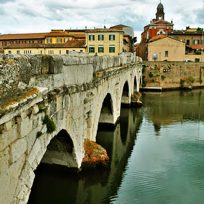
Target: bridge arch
[[135, 84], [125, 93], [106, 115], [60, 150]]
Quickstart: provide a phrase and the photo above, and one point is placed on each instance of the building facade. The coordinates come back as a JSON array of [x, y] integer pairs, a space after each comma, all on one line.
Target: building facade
[[165, 48], [192, 37], [47, 49], [104, 41]]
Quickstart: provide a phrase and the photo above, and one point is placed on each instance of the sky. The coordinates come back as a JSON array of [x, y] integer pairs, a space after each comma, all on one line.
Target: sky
[[22, 16]]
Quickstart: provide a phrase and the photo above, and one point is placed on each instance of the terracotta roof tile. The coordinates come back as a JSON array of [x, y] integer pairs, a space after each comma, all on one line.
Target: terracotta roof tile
[[197, 47], [22, 36], [97, 30], [68, 44], [157, 37]]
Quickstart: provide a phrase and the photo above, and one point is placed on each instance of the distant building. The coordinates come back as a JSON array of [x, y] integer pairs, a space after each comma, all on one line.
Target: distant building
[[104, 41], [54, 42], [51, 49], [100, 41], [192, 37]]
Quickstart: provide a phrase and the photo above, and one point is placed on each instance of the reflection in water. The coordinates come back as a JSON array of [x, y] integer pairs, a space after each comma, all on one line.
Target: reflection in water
[[145, 168], [60, 185], [167, 169]]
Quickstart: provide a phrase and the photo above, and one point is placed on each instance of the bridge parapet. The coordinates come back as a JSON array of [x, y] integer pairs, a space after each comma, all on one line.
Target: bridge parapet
[[19, 72]]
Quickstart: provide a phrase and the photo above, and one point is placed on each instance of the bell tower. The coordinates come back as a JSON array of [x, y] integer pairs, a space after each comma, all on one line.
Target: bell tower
[[160, 12]]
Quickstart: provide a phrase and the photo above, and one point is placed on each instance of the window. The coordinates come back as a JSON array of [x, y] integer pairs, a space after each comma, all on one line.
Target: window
[[60, 52], [27, 51], [91, 49], [166, 54], [81, 50], [9, 51], [67, 51], [18, 51], [100, 49], [195, 42], [65, 40], [50, 52], [111, 37], [100, 37], [111, 48], [188, 42], [91, 37], [49, 40], [59, 40]]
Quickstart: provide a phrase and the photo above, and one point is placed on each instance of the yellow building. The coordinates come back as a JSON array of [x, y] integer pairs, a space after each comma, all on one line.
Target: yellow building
[[128, 38], [51, 49], [61, 36], [54, 42], [104, 41]]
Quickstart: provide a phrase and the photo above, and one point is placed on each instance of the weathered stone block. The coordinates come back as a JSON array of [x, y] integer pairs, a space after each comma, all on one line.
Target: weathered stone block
[[4, 161], [33, 154], [25, 126], [7, 137], [55, 65], [18, 148], [9, 181], [35, 109]]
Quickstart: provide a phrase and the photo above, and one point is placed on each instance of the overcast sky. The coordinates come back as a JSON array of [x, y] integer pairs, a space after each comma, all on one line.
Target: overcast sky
[[42, 15]]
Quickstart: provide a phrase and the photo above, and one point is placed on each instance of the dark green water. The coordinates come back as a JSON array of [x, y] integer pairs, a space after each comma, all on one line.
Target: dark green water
[[157, 157]]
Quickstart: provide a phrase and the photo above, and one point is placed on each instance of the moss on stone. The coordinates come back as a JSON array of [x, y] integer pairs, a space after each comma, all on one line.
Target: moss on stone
[[51, 127]]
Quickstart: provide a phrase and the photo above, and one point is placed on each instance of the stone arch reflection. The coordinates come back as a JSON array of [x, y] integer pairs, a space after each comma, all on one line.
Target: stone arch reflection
[[135, 84], [124, 121]]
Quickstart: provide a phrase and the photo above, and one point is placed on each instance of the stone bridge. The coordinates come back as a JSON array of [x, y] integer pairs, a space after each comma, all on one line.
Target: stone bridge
[[50, 104]]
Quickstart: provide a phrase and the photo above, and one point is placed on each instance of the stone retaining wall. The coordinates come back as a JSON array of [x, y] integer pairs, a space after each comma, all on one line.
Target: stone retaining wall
[[171, 75]]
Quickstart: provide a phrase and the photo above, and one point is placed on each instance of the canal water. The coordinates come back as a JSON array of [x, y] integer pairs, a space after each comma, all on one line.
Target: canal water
[[157, 157]]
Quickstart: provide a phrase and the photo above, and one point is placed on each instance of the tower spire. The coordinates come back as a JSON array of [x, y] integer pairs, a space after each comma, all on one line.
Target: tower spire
[[160, 12]]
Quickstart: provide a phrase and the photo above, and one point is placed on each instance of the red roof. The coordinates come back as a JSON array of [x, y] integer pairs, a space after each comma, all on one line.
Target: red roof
[[197, 47], [157, 37]]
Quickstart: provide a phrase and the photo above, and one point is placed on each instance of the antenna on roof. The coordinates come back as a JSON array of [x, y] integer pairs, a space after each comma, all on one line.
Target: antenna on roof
[[104, 23]]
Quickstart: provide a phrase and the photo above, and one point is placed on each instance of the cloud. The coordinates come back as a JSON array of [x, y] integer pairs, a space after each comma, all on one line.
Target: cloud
[[43, 15]]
